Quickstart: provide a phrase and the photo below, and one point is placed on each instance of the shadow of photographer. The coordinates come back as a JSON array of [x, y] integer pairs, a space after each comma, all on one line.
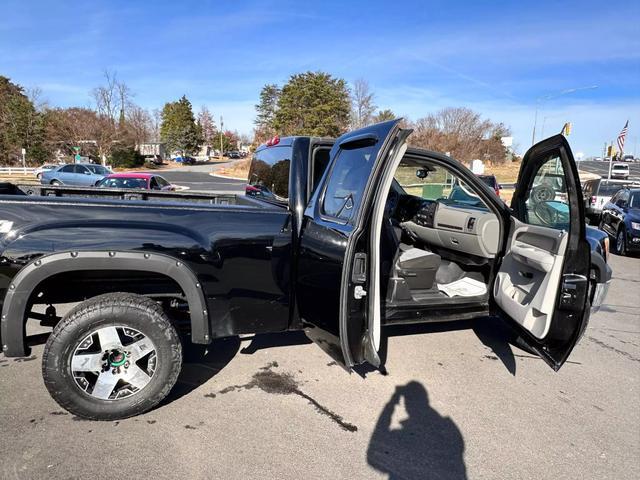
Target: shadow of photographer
[[427, 445]]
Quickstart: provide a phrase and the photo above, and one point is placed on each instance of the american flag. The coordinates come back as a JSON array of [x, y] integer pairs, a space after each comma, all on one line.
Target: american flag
[[622, 136]]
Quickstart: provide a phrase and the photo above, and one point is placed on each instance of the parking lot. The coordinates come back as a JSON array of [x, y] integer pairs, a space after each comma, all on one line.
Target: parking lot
[[458, 402]]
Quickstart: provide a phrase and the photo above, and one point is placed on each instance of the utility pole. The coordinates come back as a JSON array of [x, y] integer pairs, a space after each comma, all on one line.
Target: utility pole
[[221, 146], [610, 161]]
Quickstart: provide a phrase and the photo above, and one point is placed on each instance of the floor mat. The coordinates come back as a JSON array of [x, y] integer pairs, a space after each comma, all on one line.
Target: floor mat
[[465, 287]]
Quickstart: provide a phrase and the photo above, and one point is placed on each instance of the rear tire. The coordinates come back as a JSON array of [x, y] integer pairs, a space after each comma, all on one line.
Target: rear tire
[[107, 388]]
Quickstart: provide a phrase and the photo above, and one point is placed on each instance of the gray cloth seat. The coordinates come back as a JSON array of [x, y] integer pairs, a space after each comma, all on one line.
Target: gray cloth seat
[[416, 266]]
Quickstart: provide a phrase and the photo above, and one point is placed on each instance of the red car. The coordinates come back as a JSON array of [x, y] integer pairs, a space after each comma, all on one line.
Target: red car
[[146, 181]]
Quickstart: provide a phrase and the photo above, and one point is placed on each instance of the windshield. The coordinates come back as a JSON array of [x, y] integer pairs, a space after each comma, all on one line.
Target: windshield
[[438, 185], [123, 183], [98, 169], [608, 189]]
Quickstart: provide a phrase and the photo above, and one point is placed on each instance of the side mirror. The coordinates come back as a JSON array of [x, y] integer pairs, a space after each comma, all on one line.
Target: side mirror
[[422, 173], [621, 203], [87, 173]]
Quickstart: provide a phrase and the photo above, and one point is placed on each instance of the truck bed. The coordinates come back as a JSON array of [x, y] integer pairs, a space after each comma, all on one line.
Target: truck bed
[[90, 193]]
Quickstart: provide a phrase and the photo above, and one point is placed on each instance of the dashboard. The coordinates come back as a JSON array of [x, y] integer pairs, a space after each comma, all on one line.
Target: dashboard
[[450, 225]]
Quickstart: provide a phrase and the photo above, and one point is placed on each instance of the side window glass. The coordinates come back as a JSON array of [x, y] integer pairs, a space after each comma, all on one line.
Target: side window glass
[[347, 180], [67, 169], [80, 169], [161, 182], [546, 201], [319, 165]]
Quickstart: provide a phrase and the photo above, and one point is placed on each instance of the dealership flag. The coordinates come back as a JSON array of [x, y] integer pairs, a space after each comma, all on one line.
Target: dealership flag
[[622, 136]]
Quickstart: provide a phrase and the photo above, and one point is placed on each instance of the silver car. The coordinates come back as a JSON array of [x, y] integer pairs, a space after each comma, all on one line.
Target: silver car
[[77, 174]]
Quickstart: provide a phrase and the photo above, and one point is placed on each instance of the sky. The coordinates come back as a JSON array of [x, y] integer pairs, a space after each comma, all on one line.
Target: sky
[[500, 58]]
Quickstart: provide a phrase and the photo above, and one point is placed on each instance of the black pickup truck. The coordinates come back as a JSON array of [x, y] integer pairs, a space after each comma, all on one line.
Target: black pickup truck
[[335, 237]]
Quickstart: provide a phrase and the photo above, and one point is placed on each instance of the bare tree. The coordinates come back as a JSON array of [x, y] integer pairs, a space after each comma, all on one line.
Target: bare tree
[[106, 97], [139, 125], [461, 132], [207, 126], [37, 99], [156, 121], [362, 104]]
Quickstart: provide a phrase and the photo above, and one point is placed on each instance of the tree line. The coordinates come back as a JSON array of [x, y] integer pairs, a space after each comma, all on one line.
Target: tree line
[[108, 131], [316, 103], [309, 103]]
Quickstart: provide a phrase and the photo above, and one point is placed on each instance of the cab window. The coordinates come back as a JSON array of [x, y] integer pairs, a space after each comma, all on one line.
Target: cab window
[[270, 172]]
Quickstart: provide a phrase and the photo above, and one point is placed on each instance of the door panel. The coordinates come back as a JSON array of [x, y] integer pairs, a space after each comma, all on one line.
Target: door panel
[[542, 282], [526, 286]]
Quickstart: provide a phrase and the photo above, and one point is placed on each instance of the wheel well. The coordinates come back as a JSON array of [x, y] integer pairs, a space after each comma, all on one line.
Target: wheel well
[[78, 286], [67, 277]]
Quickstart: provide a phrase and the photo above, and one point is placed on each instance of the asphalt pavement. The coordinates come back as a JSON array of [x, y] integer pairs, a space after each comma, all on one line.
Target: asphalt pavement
[[201, 178], [602, 168], [458, 402]]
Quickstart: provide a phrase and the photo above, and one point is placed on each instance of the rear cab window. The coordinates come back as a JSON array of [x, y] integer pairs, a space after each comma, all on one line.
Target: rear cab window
[[269, 174]]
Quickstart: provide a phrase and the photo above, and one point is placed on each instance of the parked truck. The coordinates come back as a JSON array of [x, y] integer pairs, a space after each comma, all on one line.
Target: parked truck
[[338, 238]]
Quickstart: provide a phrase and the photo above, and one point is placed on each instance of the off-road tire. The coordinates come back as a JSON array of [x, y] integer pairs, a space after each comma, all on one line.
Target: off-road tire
[[122, 309]]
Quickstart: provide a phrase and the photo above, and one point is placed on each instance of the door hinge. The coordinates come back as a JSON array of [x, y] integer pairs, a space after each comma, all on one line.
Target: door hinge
[[359, 292]]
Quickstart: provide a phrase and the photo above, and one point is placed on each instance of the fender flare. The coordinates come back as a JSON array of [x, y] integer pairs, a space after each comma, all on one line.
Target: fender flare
[[13, 324]]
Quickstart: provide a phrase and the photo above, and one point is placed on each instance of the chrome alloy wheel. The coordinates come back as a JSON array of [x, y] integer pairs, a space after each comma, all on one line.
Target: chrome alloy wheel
[[113, 362]]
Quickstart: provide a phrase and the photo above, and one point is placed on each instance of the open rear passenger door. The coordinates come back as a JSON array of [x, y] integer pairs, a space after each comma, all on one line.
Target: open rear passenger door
[[542, 283], [333, 262]]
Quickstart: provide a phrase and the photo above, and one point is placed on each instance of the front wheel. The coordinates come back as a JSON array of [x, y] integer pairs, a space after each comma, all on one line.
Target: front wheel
[[113, 356], [621, 242], [56, 183]]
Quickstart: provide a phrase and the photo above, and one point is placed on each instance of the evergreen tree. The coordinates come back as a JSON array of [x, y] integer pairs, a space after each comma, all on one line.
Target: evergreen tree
[[313, 103], [383, 116], [179, 131], [266, 111], [21, 126]]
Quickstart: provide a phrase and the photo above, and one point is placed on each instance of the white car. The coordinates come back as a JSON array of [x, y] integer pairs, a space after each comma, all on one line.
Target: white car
[[620, 170]]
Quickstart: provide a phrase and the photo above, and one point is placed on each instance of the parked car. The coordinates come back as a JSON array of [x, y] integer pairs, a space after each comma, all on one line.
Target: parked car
[[621, 220], [44, 168], [620, 170], [185, 160], [77, 174], [627, 158], [597, 192], [492, 182], [145, 181], [344, 248], [234, 155]]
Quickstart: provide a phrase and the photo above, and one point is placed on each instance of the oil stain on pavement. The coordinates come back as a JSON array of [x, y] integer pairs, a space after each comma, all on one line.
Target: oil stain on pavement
[[284, 384]]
